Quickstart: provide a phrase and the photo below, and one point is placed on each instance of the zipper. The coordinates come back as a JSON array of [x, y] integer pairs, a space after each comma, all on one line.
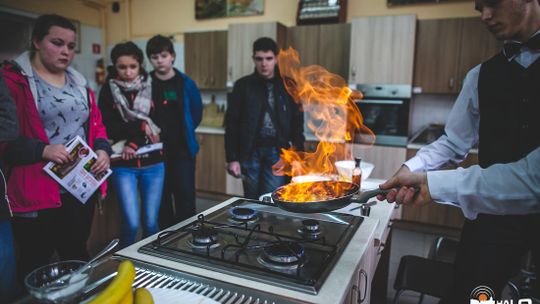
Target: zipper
[[6, 194]]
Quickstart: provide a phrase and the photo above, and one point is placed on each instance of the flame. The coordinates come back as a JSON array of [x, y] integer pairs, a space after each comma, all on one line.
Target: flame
[[314, 191], [335, 119]]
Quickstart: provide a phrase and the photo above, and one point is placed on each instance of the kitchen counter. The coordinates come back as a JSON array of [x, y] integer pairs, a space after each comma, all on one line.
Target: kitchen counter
[[334, 290]]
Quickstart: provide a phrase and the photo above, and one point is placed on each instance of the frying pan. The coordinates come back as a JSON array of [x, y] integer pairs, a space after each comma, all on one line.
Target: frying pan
[[352, 195]]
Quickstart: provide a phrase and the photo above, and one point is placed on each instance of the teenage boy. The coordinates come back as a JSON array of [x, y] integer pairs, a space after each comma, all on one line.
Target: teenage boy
[[261, 119], [179, 110]]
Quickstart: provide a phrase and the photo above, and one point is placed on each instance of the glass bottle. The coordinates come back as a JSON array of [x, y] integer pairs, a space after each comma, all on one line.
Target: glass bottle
[[357, 172]]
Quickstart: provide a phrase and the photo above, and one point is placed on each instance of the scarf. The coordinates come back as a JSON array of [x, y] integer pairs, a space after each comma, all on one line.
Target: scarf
[[141, 104]]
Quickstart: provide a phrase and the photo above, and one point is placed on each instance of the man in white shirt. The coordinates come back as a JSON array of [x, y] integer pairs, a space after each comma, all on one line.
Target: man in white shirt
[[500, 189], [504, 92]]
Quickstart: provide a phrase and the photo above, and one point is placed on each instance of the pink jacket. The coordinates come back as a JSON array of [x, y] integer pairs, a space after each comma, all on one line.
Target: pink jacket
[[30, 188]]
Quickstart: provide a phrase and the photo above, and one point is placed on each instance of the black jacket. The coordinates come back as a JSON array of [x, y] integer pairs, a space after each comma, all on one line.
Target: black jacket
[[9, 130], [245, 108]]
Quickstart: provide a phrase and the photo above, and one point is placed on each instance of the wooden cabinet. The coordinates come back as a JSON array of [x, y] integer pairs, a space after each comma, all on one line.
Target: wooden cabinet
[[387, 160], [446, 49], [382, 49], [240, 46], [324, 45], [206, 58], [210, 170], [438, 214]]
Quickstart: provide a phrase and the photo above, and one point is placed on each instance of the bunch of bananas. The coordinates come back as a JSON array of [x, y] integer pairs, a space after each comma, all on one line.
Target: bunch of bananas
[[119, 290]]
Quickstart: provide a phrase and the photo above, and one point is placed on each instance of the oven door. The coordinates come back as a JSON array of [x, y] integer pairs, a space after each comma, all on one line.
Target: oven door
[[387, 118]]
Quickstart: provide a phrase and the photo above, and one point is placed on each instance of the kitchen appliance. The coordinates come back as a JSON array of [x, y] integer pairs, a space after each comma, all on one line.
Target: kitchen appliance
[[260, 242], [385, 109]]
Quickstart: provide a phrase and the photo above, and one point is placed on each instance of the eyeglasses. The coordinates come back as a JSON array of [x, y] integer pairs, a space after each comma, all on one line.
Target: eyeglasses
[[258, 58]]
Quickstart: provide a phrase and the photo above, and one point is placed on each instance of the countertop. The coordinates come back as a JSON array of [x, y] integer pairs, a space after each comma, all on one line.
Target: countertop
[[334, 290]]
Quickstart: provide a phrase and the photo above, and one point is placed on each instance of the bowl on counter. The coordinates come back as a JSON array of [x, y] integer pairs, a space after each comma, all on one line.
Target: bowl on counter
[[43, 285], [345, 169]]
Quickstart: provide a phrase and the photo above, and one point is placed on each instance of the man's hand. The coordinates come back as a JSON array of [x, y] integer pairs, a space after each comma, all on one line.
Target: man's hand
[[406, 193], [128, 153], [56, 153], [233, 168], [102, 162]]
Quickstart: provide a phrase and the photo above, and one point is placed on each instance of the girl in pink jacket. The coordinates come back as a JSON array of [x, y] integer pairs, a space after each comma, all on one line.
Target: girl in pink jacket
[[54, 105]]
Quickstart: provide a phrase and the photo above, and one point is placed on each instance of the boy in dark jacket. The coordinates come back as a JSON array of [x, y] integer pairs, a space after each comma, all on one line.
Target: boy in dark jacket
[[179, 109], [261, 119]]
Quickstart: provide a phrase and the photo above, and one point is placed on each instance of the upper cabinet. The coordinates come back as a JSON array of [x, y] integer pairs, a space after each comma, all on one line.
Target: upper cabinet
[[240, 46], [446, 49], [206, 58], [324, 45], [382, 49]]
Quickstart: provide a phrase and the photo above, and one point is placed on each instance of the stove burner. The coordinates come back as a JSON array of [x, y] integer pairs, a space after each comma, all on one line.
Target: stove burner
[[311, 229], [203, 238], [243, 215], [282, 256], [284, 252]]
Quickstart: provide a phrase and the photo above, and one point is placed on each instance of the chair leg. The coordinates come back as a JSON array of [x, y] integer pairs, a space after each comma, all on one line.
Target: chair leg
[[421, 298], [398, 294]]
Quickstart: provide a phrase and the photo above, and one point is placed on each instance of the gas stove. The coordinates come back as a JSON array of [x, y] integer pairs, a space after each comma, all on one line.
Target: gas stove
[[260, 242]]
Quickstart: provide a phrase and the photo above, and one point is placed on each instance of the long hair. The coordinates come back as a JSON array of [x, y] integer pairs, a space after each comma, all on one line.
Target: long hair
[[126, 49]]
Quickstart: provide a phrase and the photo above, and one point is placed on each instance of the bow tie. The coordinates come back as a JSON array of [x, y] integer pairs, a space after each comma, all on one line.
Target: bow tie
[[512, 48]]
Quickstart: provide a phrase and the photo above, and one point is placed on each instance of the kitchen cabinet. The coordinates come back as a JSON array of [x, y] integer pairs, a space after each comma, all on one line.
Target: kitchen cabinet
[[438, 214], [382, 49], [361, 290], [210, 167], [446, 49], [240, 38], [205, 58], [324, 45], [387, 160]]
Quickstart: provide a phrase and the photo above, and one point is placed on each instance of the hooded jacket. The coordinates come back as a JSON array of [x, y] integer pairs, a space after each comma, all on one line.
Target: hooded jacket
[[30, 188]]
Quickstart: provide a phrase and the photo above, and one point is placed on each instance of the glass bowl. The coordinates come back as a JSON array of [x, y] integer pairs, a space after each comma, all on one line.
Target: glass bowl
[[43, 284]]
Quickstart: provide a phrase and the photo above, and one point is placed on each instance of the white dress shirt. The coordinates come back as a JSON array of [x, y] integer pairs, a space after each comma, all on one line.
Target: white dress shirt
[[474, 190], [499, 189]]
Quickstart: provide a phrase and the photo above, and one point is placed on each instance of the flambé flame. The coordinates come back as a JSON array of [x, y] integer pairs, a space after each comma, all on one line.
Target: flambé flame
[[335, 119]]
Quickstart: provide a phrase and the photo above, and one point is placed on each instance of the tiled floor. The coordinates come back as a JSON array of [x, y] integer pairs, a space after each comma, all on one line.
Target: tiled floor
[[404, 242]]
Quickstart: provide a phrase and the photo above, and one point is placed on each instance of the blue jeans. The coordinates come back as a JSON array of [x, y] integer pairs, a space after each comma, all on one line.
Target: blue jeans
[[257, 173], [126, 181], [8, 276]]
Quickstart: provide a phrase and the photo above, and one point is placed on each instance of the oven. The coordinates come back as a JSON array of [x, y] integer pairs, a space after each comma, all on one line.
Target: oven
[[385, 109]]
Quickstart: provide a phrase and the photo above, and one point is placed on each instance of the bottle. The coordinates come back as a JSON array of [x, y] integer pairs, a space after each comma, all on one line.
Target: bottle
[[357, 172]]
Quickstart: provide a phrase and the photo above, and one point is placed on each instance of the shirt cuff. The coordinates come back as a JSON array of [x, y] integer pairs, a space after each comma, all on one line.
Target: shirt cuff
[[414, 164], [443, 186]]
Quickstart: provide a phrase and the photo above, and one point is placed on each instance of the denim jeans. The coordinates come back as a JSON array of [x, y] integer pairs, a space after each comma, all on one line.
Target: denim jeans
[[8, 275], [257, 173], [126, 181]]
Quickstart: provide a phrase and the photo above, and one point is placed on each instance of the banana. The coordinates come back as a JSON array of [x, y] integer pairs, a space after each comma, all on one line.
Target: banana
[[128, 297], [143, 296], [120, 287]]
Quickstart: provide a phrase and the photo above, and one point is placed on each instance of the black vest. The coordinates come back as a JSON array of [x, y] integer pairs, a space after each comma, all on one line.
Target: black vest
[[509, 101]]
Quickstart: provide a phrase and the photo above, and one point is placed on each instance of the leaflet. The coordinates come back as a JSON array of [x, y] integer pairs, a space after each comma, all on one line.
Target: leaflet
[[76, 176]]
